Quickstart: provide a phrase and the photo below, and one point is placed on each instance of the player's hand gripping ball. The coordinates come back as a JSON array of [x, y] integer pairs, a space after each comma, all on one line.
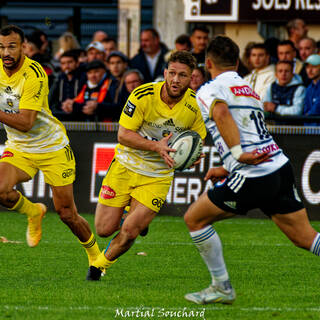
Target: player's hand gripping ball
[[188, 145]]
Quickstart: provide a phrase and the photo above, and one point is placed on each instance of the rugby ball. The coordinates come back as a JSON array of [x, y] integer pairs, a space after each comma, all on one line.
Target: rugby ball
[[188, 145]]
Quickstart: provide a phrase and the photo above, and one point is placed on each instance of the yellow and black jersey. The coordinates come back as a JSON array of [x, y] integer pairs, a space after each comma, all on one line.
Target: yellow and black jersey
[[148, 115], [28, 89]]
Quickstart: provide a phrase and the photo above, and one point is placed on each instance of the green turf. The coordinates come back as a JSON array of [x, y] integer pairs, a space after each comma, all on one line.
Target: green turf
[[272, 278]]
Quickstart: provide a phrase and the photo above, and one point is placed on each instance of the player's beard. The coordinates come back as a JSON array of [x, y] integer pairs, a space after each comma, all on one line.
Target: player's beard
[[178, 95], [14, 64]]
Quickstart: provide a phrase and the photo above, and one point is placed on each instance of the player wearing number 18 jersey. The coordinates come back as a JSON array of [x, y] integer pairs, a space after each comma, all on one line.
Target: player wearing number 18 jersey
[[255, 172]]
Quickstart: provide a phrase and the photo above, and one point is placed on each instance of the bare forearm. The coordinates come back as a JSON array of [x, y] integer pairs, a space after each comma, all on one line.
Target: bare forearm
[[22, 121], [135, 140], [226, 125]]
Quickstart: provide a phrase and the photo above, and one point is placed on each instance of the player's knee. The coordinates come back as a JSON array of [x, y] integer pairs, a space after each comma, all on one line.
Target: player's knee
[[105, 230], [130, 233], [66, 215], [190, 221]]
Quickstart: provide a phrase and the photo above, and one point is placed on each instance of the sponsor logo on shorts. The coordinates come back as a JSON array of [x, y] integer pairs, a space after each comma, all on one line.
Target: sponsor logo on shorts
[[245, 91], [107, 192], [7, 154], [157, 202], [231, 204], [67, 173], [220, 183], [129, 109]]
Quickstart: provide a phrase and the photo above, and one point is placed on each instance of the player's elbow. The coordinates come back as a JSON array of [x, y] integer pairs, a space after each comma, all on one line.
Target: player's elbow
[[220, 112], [25, 127]]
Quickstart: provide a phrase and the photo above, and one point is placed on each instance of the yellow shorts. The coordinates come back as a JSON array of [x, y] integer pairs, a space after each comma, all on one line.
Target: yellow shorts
[[121, 184], [58, 167]]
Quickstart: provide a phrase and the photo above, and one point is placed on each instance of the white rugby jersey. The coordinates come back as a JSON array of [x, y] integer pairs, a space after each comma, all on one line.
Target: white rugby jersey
[[247, 111]]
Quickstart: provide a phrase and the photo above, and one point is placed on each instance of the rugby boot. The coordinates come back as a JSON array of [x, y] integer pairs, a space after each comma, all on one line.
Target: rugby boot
[[34, 229], [213, 294]]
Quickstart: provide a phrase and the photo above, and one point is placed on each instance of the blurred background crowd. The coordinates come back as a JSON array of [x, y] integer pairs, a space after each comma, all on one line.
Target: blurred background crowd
[[93, 82]]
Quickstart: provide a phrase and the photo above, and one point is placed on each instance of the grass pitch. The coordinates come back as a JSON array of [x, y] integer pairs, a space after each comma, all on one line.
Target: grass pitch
[[272, 278]]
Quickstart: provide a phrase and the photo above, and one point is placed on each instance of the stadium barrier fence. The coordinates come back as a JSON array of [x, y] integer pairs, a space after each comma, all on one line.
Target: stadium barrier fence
[[93, 145]]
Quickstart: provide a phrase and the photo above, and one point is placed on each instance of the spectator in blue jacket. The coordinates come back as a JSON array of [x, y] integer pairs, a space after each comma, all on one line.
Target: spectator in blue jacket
[[312, 100], [285, 96]]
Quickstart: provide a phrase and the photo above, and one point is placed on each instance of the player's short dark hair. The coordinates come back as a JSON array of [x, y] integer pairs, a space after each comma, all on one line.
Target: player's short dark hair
[[183, 39], [287, 43], [154, 32], [184, 57], [7, 30], [71, 54], [223, 51], [109, 39], [292, 24], [290, 63], [260, 45], [200, 27]]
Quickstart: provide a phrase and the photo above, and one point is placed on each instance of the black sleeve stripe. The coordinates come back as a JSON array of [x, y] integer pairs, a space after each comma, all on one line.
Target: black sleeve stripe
[[34, 69], [192, 95], [146, 94], [141, 90], [38, 68]]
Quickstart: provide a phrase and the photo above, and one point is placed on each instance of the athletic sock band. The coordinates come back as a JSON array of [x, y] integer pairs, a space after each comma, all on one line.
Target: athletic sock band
[[315, 248]]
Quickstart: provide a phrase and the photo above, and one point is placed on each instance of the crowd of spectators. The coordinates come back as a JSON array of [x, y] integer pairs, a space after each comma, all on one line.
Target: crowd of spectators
[[93, 83]]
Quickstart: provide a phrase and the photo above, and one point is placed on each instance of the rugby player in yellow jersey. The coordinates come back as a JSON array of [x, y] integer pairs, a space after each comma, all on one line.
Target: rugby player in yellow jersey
[[142, 170], [35, 141]]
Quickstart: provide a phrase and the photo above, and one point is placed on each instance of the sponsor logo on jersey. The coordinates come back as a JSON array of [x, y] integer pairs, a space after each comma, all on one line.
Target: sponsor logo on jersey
[[269, 148], [129, 109], [67, 173], [38, 94], [7, 154], [8, 90], [189, 106], [165, 133], [245, 91], [10, 103], [107, 192], [169, 123], [157, 202]]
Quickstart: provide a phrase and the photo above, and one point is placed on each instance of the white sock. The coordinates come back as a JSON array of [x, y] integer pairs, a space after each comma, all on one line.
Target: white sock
[[209, 245], [315, 248]]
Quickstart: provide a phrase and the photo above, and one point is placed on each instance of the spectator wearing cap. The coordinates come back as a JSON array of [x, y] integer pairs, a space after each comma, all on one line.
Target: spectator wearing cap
[[93, 103], [150, 59], [133, 78], [67, 85], [312, 100], [95, 51]]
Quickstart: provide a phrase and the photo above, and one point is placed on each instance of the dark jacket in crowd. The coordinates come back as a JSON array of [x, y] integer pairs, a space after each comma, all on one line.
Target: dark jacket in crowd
[[110, 97], [63, 89], [139, 61]]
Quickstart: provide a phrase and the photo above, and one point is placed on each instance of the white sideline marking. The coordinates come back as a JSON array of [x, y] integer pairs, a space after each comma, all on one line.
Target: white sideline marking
[[211, 308]]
